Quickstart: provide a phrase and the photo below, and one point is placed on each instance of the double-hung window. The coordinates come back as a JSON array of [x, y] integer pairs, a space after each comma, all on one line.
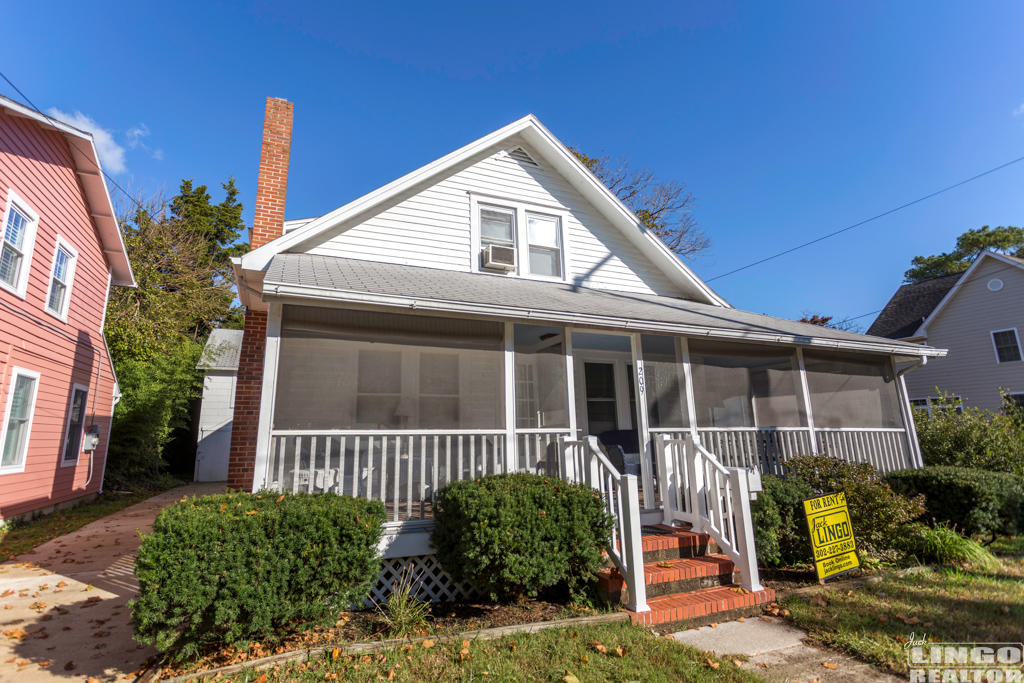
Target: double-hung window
[[21, 402], [19, 233], [61, 276], [75, 425], [544, 234], [497, 226], [1007, 345]]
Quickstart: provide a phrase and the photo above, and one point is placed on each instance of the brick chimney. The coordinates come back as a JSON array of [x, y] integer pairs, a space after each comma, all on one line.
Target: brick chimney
[[267, 224]]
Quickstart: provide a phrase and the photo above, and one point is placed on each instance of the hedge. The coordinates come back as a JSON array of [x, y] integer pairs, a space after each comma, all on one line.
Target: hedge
[[226, 569], [977, 502], [514, 535], [780, 527]]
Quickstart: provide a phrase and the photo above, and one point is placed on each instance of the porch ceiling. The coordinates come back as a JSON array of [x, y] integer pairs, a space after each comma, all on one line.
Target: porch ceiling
[[352, 281]]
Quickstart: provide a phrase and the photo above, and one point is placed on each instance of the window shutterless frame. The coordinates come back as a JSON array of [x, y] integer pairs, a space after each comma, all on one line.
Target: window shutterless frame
[[74, 426], [522, 211], [62, 277], [16, 429], [17, 243], [1011, 347]]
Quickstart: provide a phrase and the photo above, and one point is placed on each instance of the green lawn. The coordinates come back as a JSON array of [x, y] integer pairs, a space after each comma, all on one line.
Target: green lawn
[[606, 652], [874, 621], [21, 537]]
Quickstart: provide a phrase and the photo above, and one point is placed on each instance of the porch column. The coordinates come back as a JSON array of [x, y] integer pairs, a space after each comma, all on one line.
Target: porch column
[[646, 476], [907, 413], [570, 383], [267, 397], [511, 457], [806, 392], [691, 406]]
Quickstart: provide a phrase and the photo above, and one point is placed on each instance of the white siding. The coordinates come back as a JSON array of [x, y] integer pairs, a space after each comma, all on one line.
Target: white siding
[[215, 419], [964, 327], [432, 227]]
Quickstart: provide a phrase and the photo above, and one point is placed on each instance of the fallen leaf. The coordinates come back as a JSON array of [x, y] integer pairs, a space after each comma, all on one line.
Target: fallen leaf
[[45, 663], [713, 624], [741, 619], [334, 653], [737, 662], [620, 651], [280, 498], [428, 643], [599, 647], [570, 678], [262, 678], [830, 666], [711, 663], [69, 666]]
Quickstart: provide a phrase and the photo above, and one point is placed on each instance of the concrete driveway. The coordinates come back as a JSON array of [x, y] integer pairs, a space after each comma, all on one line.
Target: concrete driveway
[[63, 605]]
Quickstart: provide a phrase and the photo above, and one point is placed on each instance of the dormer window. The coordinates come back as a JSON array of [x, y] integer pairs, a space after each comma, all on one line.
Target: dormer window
[[532, 234]]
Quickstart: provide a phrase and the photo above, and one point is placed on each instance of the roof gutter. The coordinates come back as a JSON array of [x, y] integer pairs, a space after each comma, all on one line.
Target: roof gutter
[[280, 291]]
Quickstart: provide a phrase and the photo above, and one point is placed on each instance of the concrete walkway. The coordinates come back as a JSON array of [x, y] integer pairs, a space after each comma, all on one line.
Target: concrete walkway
[[778, 652], [63, 613]]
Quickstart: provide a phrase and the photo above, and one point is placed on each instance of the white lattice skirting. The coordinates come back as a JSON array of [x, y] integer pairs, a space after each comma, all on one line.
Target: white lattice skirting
[[431, 581]]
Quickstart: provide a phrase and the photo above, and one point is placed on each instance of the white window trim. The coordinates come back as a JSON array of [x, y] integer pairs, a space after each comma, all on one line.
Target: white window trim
[[15, 373], [67, 427], [520, 209], [21, 286], [62, 314], [995, 349], [930, 401]]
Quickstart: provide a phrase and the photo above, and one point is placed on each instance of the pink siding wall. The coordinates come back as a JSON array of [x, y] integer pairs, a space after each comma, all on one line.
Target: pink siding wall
[[37, 164]]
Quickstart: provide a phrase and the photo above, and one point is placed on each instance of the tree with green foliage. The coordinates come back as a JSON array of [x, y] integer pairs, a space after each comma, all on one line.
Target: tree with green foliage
[[180, 253], [664, 207], [969, 246]]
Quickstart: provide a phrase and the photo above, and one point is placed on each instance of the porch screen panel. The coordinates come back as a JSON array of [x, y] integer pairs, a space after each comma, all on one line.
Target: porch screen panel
[[740, 385], [542, 396], [341, 369], [852, 391], [664, 381]]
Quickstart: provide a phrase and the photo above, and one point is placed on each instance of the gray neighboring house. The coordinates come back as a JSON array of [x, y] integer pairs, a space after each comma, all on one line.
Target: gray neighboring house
[[220, 365], [979, 316]]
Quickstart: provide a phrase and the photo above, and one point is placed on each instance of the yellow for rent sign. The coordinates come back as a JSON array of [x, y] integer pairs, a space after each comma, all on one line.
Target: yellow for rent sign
[[828, 520]]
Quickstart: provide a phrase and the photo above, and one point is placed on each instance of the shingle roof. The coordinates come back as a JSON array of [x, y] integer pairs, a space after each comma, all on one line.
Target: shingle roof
[[221, 351], [352, 280], [910, 305]]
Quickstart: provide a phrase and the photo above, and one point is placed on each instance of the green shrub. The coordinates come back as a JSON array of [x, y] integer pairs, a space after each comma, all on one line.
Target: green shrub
[[876, 511], [943, 545], [512, 535], [972, 438], [977, 502], [780, 528], [225, 569]]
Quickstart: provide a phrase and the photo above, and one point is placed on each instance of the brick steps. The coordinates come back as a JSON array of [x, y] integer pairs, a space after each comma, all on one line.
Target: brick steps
[[688, 582]]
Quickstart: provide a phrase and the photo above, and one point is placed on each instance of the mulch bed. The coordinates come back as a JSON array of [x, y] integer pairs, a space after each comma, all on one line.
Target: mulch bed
[[788, 579], [447, 618]]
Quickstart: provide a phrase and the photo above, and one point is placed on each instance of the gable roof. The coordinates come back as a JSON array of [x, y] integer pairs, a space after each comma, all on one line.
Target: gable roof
[[916, 304], [910, 305], [222, 350], [554, 153], [345, 281], [97, 197]]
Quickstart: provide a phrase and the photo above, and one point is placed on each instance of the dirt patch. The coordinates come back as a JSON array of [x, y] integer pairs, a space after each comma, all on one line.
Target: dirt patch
[[788, 579]]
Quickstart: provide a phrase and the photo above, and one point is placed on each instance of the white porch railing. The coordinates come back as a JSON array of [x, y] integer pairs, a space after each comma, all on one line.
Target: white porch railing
[[582, 461], [714, 499], [886, 450], [537, 450], [402, 469]]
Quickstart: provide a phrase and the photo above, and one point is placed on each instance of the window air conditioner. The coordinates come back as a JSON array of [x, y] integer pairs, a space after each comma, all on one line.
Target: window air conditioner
[[498, 257]]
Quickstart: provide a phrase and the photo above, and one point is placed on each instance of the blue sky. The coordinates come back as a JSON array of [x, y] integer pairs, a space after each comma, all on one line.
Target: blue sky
[[785, 120]]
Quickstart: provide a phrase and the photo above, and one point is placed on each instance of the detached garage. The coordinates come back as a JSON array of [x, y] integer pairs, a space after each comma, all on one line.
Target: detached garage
[[220, 363]]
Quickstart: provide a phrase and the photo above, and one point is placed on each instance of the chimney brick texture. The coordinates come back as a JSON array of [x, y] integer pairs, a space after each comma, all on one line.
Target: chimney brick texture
[[272, 184]]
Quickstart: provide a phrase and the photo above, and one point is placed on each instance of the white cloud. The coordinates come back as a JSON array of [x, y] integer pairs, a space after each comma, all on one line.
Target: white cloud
[[111, 153], [135, 135], [1019, 111], [158, 154]]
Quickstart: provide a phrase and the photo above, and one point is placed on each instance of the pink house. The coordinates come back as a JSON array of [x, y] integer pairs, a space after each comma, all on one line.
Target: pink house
[[60, 251]]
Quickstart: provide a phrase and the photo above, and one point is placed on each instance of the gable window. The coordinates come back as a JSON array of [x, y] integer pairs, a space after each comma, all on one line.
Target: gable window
[[497, 226], [19, 234], [21, 402], [61, 276], [1007, 345], [544, 234], [75, 425]]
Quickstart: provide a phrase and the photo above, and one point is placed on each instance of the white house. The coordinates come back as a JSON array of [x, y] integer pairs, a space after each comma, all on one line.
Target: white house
[[500, 310]]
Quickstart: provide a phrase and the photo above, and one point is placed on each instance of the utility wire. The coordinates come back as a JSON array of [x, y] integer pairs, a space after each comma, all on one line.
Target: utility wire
[[868, 220]]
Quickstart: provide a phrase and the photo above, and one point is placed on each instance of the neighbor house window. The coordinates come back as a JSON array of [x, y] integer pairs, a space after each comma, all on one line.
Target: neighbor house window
[[21, 401], [75, 425], [544, 234], [61, 276], [19, 233], [1007, 345], [931, 404]]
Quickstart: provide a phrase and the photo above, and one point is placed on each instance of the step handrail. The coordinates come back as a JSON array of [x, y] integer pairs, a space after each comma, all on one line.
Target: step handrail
[[696, 488], [581, 461]]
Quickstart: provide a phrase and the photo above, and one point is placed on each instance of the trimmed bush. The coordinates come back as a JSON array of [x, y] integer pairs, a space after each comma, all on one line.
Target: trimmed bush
[[514, 535], [222, 570], [780, 527], [943, 545], [876, 511], [972, 438], [977, 502]]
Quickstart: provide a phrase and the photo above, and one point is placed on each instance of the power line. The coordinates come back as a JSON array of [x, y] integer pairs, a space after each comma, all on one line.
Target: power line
[[868, 220]]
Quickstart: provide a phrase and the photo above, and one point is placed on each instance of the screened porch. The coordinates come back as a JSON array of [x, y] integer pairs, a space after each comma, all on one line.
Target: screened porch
[[393, 406]]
